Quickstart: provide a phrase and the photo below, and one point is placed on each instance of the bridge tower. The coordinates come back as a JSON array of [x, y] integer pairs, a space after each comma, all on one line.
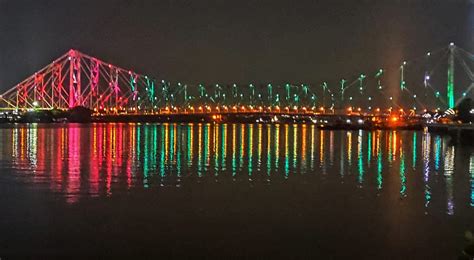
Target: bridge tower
[[74, 79], [77, 79], [450, 84]]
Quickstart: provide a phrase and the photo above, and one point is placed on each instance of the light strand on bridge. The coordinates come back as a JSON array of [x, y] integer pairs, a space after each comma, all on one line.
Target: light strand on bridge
[[110, 89]]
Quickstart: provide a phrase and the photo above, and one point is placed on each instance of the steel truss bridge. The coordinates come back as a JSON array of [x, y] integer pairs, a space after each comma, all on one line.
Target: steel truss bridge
[[76, 79]]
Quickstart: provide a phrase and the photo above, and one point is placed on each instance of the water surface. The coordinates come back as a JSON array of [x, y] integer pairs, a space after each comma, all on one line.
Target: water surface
[[232, 189]]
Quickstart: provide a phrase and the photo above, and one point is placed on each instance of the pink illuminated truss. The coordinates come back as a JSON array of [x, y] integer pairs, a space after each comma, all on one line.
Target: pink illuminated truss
[[77, 79]]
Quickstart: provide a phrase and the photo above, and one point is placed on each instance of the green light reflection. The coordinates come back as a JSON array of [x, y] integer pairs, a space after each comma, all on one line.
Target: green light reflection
[[145, 158], [379, 164], [269, 154], [403, 179], [360, 158], [471, 172], [413, 162], [234, 148], [250, 150], [437, 153], [224, 147]]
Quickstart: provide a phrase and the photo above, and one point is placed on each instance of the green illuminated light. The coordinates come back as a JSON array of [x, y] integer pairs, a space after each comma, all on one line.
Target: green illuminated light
[[450, 85]]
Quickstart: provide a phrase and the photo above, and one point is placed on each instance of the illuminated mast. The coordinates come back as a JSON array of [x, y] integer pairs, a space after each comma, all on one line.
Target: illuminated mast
[[450, 85], [270, 93]]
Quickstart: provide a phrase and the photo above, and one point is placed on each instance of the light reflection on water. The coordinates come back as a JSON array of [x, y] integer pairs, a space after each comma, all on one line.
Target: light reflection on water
[[78, 161]]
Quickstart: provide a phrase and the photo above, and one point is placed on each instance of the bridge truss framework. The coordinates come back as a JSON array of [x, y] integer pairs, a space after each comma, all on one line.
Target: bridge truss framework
[[76, 79]]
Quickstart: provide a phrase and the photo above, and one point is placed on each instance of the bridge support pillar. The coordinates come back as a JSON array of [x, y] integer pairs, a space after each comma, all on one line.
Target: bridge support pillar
[[450, 84], [74, 79]]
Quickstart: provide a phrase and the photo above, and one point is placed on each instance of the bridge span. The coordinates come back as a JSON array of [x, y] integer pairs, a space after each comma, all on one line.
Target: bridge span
[[112, 93]]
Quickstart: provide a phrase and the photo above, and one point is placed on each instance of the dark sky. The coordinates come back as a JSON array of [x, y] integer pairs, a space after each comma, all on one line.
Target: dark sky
[[232, 41]]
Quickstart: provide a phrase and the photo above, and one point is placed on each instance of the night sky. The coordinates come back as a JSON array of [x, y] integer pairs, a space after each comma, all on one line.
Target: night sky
[[232, 41]]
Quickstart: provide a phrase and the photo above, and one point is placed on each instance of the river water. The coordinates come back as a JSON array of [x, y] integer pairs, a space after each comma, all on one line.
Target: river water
[[218, 190]]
